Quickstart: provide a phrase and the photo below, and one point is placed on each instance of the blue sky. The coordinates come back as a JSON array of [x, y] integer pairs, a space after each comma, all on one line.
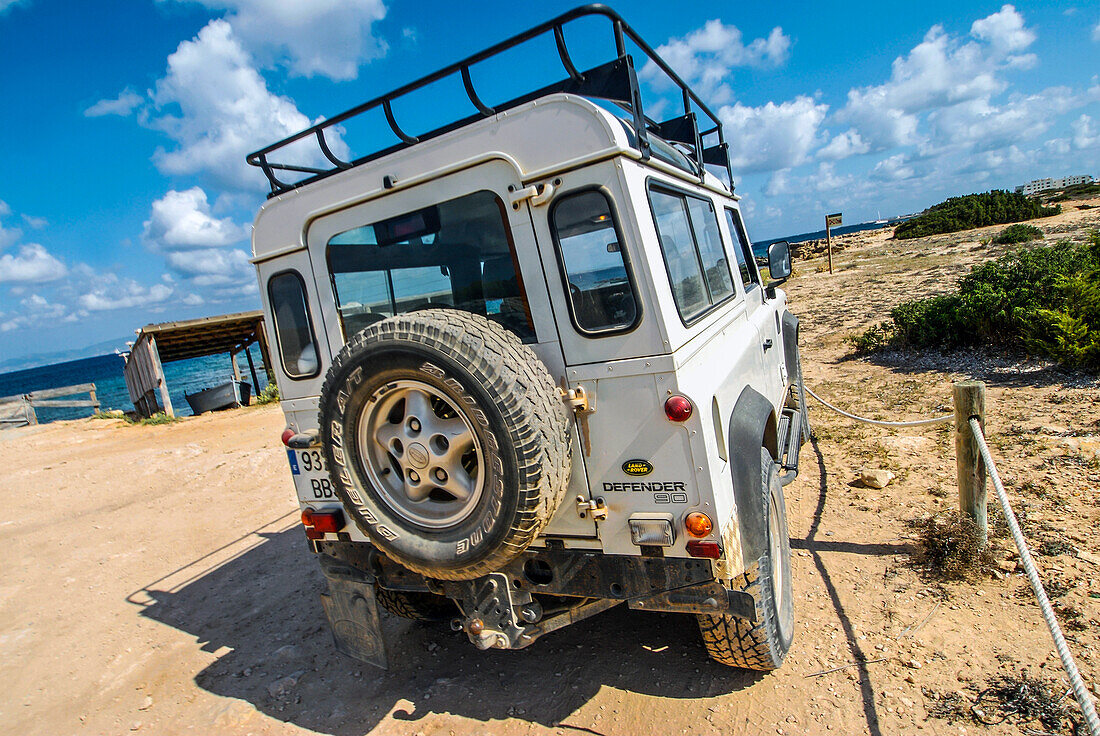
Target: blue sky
[[126, 201]]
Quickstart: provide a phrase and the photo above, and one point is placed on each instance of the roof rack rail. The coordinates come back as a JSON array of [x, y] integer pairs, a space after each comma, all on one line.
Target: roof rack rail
[[615, 81]]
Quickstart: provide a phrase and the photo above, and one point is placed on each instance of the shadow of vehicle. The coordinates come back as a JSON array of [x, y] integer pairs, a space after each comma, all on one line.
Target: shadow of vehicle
[[259, 611]]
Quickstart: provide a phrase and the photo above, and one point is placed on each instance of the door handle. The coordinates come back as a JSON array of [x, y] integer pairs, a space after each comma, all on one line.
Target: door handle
[[767, 344]]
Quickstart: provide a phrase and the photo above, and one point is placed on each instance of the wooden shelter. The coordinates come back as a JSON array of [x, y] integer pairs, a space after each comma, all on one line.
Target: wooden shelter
[[169, 341]]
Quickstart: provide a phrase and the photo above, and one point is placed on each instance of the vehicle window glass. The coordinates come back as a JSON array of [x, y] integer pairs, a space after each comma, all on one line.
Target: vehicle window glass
[[457, 253], [716, 267], [746, 262], [678, 246], [591, 249], [293, 330]]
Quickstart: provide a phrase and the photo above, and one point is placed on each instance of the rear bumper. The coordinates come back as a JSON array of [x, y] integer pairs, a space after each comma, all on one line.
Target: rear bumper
[[497, 607]]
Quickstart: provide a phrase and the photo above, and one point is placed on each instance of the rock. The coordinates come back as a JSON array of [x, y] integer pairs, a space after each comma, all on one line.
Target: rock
[[872, 478], [912, 664], [282, 687], [147, 703]]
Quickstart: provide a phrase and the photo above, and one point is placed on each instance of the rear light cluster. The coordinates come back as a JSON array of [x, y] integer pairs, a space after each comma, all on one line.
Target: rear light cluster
[[287, 434], [678, 408], [318, 523], [699, 524]]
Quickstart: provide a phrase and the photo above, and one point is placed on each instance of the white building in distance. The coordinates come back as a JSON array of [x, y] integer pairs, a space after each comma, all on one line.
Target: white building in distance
[[1041, 185]]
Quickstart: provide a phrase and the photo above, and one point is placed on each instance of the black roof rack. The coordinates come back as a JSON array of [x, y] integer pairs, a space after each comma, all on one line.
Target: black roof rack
[[615, 81]]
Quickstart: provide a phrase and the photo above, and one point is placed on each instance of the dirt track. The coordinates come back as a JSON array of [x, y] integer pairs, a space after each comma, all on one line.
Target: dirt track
[[156, 580]]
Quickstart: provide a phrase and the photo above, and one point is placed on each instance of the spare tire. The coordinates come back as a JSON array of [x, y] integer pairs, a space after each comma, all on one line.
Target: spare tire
[[447, 441]]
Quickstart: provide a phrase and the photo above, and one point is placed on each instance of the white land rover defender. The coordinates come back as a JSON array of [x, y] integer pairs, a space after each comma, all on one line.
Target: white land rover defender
[[529, 368]]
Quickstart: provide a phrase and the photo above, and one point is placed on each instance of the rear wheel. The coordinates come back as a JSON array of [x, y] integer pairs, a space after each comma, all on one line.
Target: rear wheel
[[416, 606], [761, 645]]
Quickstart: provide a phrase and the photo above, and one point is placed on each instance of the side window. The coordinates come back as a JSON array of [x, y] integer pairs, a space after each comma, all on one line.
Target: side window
[[457, 253], [698, 266], [601, 296], [746, 262], [678, 247], [293, 328], [716, 267]]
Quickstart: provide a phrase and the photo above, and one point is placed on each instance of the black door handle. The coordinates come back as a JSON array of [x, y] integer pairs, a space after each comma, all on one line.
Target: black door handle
[[767, 344]]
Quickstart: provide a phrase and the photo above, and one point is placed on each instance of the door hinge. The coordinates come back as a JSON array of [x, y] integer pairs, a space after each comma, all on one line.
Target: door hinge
[[582, 405], [587, 507], [539, 194]]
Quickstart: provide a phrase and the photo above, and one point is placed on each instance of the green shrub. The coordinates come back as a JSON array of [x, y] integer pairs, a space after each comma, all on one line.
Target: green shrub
[[269, 395], [973, 210], [1014, 234], [1044, 300]]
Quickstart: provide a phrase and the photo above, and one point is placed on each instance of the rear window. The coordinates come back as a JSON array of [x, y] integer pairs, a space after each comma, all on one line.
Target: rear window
[[601, 296], [698, 268], [293, 329], [455, 254]]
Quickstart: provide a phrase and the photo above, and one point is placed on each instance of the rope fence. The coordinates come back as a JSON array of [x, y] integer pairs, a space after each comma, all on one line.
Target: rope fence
[[974, 462]]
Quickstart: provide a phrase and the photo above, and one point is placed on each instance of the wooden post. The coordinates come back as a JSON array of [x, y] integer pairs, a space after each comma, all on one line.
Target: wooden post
[[161, 382], [252, 370], [28, 407], [265, 353], [236, 368], [969, 399], [829, 244]]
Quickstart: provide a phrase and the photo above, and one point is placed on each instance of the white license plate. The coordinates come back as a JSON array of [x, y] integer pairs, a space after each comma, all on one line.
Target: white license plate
[[310, 475]]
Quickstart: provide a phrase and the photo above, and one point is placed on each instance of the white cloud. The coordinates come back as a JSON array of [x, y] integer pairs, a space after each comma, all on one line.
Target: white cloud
[[226, 109], [32, 264], [938, 73], [330, 38], [127, 294], [37, 223], [706, 56], [181, 220], [1096, 31], [893, 168], [219, 266], [772, 136], [1004, 30], [1083, 134], [126, 102], [848, 143]]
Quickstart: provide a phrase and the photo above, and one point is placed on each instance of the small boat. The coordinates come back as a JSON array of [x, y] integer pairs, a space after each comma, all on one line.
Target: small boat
[[228, 395]]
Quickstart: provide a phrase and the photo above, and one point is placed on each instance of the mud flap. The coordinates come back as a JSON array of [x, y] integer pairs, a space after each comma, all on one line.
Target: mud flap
[[352, 611]]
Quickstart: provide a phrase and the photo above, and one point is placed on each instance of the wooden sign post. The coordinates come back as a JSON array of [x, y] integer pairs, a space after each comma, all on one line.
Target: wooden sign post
[[831, 221]]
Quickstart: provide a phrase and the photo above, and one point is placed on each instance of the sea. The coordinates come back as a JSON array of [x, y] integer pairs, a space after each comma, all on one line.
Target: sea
[[105, 371], [760, 248]]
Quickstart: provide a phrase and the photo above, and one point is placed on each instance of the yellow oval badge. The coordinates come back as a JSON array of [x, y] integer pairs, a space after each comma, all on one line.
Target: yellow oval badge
[[637, 467]]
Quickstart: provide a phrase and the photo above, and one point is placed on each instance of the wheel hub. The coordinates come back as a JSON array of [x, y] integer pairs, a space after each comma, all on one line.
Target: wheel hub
[[421, 453]]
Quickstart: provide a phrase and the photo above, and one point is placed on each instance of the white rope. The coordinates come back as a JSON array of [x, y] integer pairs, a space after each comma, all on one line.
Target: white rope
[[879, 422], [1078, 685]]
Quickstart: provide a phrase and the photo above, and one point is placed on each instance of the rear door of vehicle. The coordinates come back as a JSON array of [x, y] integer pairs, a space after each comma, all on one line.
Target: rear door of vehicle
[[377, 287]]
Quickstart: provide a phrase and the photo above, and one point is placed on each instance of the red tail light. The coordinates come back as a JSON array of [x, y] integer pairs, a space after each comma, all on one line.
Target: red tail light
[[698, 548], [678, 408], [287, 434], [318, 523]]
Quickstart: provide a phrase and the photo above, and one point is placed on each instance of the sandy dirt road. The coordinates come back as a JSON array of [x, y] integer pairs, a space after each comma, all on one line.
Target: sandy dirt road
[[156, 579]]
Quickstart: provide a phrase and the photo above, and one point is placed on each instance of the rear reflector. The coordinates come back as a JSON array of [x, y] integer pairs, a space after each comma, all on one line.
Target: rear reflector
[[699, 548], [287, 434], [320, 522]]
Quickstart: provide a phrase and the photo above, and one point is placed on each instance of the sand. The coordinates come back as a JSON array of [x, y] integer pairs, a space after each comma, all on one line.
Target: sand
[[156, 580]]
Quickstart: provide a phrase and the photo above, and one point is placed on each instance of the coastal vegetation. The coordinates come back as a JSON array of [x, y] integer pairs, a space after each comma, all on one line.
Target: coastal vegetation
[[1043, 301], [269, 395], [973, 210], [1015, 234]]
